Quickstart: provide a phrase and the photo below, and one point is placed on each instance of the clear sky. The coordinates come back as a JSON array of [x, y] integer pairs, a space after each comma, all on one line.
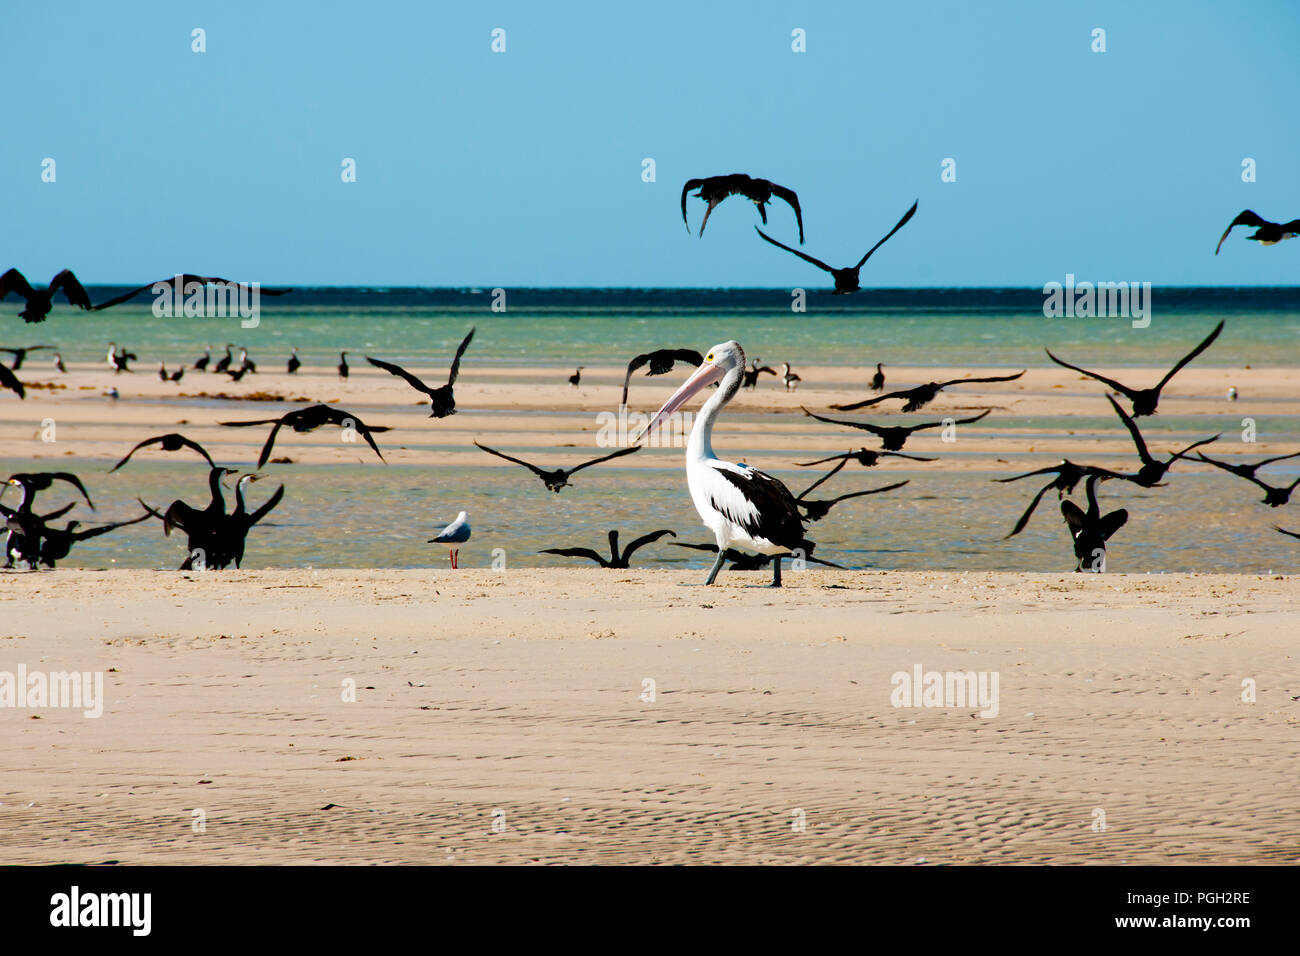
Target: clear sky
[[525, 167]]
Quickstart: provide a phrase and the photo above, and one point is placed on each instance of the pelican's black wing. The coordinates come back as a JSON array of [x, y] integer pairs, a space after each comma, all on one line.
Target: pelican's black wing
[[901, 223]]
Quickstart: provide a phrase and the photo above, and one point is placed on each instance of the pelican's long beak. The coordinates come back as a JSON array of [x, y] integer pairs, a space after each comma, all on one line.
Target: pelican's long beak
[[704, 376]]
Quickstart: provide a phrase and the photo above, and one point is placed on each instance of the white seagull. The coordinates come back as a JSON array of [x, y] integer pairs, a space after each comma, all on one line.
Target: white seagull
[[457, 532], [741, 505]]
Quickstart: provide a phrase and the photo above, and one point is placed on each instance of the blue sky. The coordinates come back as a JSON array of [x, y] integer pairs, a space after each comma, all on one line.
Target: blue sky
[[524, 168]]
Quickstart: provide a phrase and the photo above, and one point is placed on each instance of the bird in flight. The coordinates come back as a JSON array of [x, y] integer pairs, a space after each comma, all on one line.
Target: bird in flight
[[661, 362], [170, 442], [618, 560], [32, 482], [20, 354], [10, 381], [185, 280], [442, 400], [846, 279], [816, 510], [557, 478], [865, 457], [1151, 471], [892, 438], [41, 301], [923, 395], [1144, 400], [1266, 233], [309, 419], [1273, 497], [1067, 473], [714, 189]]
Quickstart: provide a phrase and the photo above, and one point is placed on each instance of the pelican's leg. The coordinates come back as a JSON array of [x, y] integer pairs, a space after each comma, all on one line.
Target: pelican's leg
[[776, 572], [717, 565]]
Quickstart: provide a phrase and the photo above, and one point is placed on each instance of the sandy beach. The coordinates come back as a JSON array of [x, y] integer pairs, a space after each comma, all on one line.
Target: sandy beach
[[519, 699], [502, 717]]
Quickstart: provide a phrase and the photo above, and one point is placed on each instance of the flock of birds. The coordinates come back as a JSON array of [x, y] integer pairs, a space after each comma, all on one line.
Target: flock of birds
[[744, 508]]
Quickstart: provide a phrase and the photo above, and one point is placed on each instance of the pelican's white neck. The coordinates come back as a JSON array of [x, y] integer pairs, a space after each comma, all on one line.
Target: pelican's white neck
[[699, 447]]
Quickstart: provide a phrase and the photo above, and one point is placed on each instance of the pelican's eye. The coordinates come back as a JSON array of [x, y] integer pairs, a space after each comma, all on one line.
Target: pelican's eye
[[709, 357]]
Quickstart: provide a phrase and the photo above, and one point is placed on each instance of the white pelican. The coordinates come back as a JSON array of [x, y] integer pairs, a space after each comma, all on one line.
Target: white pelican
[[739, 504], [456, 533]]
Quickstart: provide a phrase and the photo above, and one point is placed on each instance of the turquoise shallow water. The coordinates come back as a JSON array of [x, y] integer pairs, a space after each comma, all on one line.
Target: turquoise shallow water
[[985, 328], [372, 515]]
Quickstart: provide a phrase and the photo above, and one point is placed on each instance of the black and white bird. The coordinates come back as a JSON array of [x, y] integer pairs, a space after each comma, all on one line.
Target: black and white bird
[[294, 363], [166, 376], [576, 378], [1091, 529], [201, 525], [922, 395], [557, 478], [118, 359], [343, 365], [231, 536], [1144, 400], [741, 505], [617, 560], [661, 361], [223, 363], [56, 543], [1266, 233], [455, 534], [58, 364], [714, 189], [31, 482], [893, 437], [201, 364], [788, 378], [847, 279], [39, 302], [878, 380], [246, 363], [442, 400], [20, 354], [309, 419]]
